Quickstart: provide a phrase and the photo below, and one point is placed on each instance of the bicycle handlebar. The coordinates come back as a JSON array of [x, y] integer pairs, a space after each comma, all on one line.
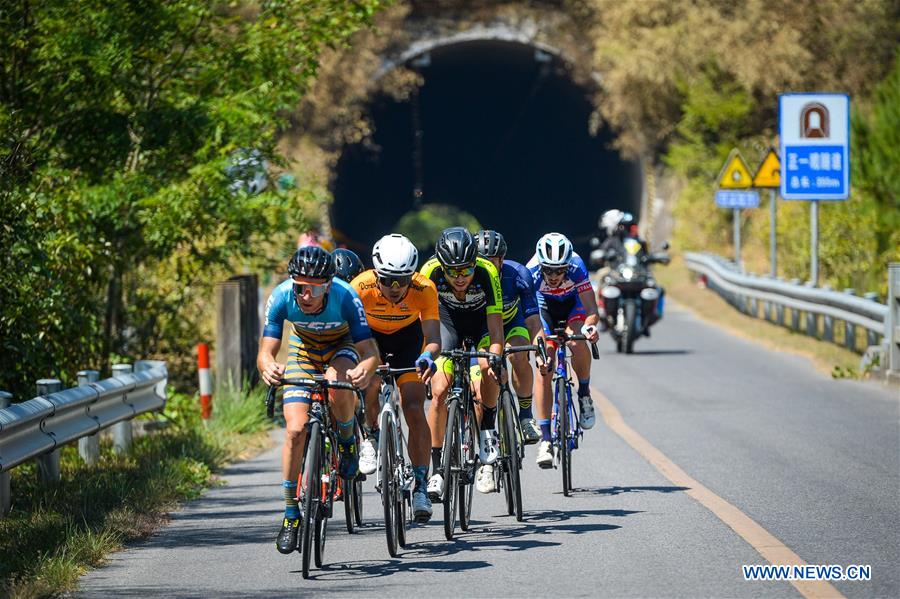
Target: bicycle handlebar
[[385, 370], [317, 381], [561, 335]]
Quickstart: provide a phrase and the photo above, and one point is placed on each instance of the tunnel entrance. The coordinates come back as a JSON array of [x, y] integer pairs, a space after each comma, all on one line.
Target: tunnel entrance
[[502, 134]]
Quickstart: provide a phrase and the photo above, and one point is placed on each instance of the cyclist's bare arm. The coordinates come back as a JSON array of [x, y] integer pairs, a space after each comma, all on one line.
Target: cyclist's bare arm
[[269, 369], [361, 374]]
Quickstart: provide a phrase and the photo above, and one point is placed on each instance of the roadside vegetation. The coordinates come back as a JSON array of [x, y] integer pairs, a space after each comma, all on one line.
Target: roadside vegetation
[[686, 82], [53, 535], [121, 200]]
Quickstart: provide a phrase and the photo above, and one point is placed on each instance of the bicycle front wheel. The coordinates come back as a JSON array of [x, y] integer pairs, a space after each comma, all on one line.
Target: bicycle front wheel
[[562, 424], [453, 459], [388, 483], [329, 486], [312, 474]]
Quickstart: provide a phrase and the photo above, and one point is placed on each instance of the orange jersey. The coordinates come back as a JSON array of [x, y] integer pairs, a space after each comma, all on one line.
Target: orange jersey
[[421, 301]]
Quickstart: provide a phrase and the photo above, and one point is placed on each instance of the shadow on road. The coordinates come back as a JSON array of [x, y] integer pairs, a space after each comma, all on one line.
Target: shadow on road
[[386, 567], [620, 490]]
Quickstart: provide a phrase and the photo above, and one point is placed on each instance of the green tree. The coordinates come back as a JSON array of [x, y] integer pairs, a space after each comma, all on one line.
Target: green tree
[[118, 119], [423, 226]]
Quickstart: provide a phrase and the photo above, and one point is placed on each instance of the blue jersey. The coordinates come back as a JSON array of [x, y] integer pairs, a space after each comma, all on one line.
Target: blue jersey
[[343, 314], [575, 281], [518, 291]]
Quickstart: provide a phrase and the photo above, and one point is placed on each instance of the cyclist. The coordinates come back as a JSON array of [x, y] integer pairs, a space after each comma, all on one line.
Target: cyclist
[[521, 322], [330, 335], [470, 305], [565, 296], [347, 264], [402, 310]]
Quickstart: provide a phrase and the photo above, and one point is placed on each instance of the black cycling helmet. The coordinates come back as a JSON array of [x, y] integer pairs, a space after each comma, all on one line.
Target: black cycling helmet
[[491, 244], [456, 248], [346, 264], [313, 262]]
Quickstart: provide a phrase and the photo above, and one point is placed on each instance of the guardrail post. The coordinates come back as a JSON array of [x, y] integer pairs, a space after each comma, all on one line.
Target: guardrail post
[[48, 464], [892, 322], [872, 336], [779, 314], [121, 431], [89, 447], [849, 327], [5, 496], [827, 322]]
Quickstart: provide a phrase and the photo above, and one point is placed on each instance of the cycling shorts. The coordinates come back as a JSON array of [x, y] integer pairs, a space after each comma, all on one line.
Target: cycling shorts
[[306, 362], [405, 346], [514, 328], [455, 328], [568, 312]]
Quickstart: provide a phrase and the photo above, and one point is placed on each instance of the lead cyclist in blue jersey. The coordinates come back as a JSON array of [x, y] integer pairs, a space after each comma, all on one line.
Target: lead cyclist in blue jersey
[[330, 336], [566, 299], [521, 323]]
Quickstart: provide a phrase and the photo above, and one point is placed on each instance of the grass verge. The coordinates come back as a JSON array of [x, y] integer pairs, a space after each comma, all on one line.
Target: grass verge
[[53, 535], [708, 306]]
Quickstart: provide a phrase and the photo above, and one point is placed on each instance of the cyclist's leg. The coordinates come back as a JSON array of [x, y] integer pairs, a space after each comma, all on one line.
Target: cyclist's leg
[[343, 407], [412, 400], [581, 364], [523, 379], [543, 395]]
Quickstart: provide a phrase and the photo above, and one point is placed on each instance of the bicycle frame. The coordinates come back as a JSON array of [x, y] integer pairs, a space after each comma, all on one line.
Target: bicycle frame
[[390, 406], [562, 372]]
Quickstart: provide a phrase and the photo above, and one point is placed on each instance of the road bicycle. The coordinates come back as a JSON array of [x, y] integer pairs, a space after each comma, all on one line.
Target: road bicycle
[[566, 430], [394, 477], [460, 449], [319, 479]]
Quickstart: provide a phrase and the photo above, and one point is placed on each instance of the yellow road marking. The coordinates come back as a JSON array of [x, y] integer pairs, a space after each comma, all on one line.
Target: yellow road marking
[[773, 550]]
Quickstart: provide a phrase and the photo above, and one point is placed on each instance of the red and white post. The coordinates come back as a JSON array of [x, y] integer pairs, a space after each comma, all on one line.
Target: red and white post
[[205, 381]]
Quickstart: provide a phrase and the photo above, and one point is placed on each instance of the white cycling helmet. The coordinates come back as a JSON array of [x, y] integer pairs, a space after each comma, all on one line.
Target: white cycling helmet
[[395, 255], [610, 220], [554, 249]]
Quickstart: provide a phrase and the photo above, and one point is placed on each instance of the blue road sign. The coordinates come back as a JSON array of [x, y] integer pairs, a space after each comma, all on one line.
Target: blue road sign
[[737, 199], [815, 146]]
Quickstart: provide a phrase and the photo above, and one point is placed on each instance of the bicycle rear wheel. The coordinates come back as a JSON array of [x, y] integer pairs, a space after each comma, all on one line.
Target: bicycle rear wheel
[[509, 445], [388, 483], [452, 458], [312, 469], [470, 459]]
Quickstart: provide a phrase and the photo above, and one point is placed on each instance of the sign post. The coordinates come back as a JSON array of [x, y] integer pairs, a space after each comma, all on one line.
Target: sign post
[[736, 176], [769, 175], [814, 130]]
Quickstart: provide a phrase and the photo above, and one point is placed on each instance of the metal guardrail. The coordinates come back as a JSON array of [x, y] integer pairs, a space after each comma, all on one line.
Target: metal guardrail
[[40, 426], [747, 292]]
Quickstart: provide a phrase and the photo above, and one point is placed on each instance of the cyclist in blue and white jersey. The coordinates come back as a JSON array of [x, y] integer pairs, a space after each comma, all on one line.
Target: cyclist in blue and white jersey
[[566, 298], [330, 336]]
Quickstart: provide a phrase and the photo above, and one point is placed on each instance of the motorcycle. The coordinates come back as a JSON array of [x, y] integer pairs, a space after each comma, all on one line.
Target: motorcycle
[[629, 293]]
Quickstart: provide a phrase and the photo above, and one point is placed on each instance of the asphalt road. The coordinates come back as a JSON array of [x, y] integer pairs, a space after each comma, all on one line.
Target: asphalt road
[[813, 461]]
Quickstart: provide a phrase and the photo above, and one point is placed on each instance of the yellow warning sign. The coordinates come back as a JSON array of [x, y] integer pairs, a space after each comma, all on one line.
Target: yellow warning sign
[[735, 174], [769, 172]]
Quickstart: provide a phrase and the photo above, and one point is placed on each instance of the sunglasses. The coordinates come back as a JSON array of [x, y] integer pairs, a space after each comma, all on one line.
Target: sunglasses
[[394, 280], [455, 273], [554, 272], [314, 289]]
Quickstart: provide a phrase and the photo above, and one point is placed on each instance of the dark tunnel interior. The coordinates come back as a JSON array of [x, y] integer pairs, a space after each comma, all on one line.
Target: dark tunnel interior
[[503, 135]]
